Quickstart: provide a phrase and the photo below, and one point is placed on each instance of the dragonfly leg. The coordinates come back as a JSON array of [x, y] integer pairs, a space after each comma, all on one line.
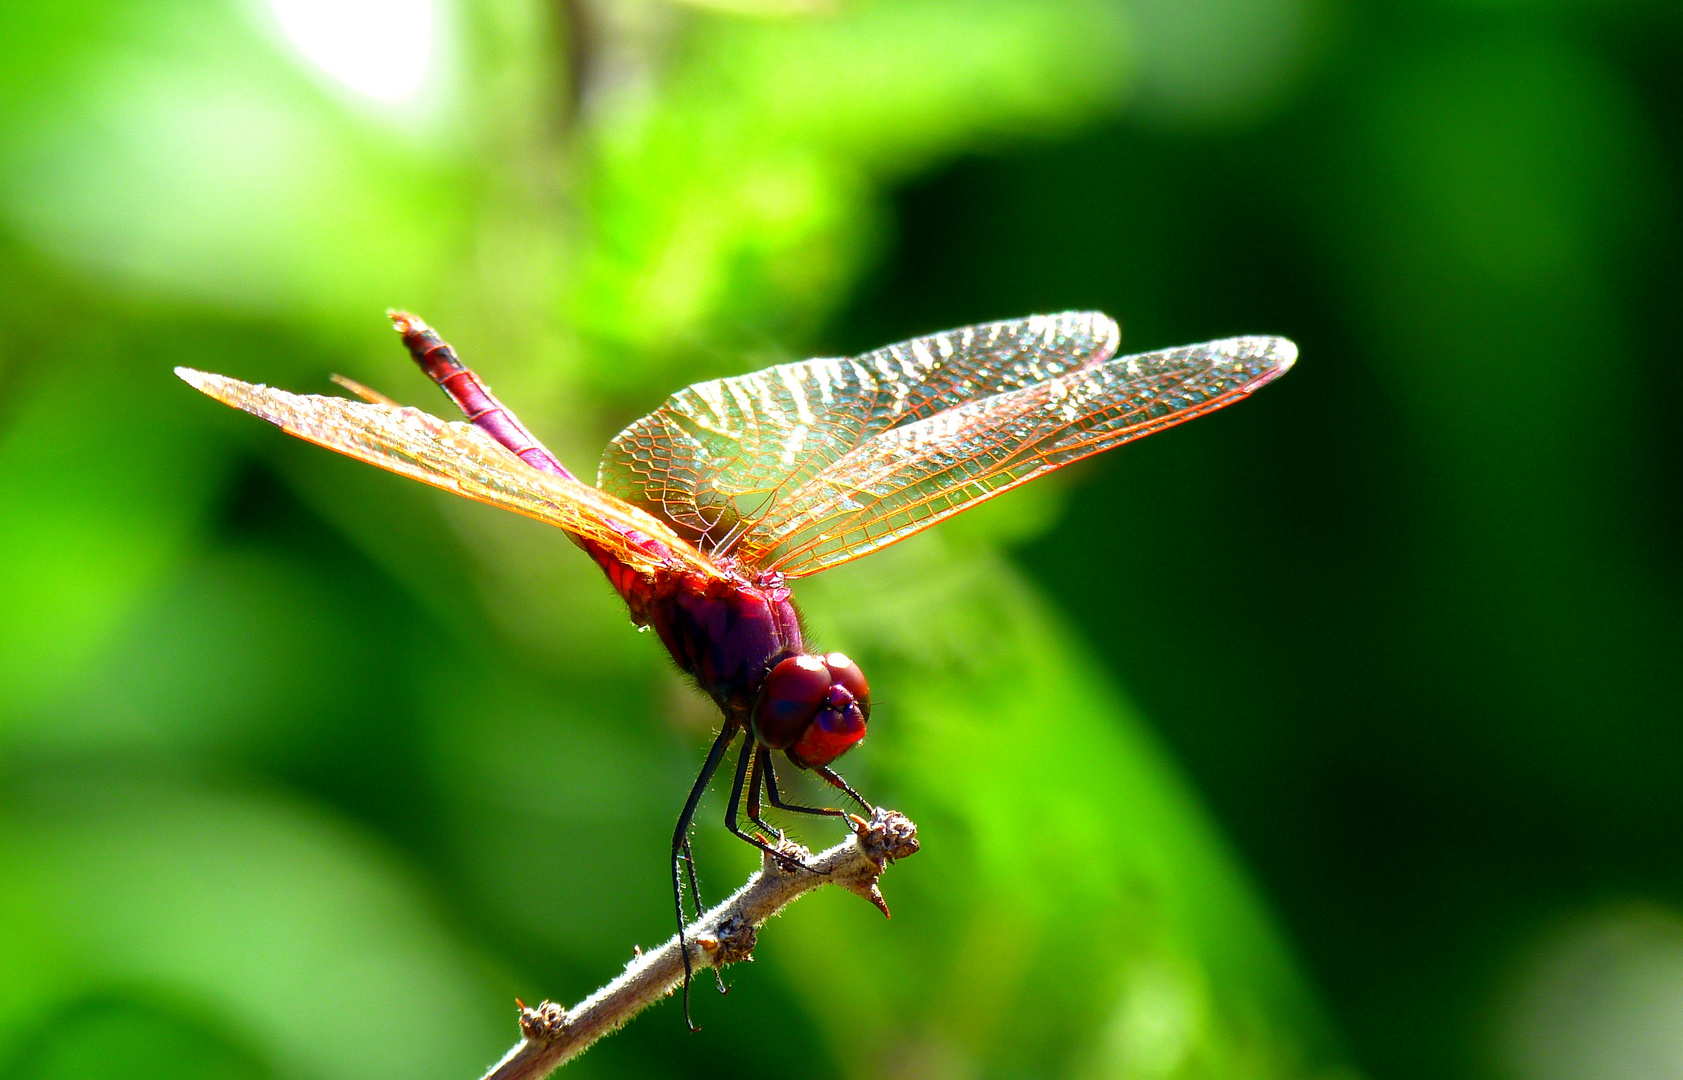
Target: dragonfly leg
[[835, 780], [789, 862], [680, 848], [695, 900], [776, 796], [756, 778], [488, 414], [687, 858]]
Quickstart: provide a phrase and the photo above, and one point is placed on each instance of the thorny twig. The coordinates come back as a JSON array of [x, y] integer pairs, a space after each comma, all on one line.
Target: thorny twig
[[553, 1035]]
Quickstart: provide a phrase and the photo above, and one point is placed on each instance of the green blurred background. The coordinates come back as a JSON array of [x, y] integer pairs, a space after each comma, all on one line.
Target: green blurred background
[[1330, 736]]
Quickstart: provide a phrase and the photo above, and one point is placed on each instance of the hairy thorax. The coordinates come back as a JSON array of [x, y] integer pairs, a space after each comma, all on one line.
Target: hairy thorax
[[727, 633]]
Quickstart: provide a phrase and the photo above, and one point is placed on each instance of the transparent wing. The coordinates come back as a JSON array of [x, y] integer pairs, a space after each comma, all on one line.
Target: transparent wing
[[459, 458], [721, 455], [910, 477]]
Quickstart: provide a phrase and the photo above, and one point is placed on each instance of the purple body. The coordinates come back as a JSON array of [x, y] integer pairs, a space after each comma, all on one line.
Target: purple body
[[729, 637]]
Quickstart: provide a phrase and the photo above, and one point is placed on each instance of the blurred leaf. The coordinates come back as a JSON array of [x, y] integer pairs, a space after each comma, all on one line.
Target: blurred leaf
[[173, 149], [766, 7], [1598, 999], [101, 1038], [233, 655], [741, 195], [1214, 63], [1071, 887], [297, 938], [561, 808], [1508, 180], [90, 521]]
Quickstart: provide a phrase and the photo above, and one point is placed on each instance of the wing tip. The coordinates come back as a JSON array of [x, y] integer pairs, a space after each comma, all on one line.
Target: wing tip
[[1265, 355], [220, 387], [1271, 356], [1112, 335], [1285, 353]]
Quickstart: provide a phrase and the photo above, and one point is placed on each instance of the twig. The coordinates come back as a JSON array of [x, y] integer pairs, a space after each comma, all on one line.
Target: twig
[[725, 935]]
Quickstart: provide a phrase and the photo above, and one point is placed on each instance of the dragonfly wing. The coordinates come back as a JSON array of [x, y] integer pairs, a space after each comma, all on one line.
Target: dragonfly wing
[[459, 458], [910, 477], [721, 455]]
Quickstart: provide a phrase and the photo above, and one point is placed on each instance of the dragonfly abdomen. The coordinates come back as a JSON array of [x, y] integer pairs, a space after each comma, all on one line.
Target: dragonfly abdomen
[[438, 360]]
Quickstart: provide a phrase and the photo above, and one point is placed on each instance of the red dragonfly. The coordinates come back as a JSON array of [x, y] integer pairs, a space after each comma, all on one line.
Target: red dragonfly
[[704, 509]]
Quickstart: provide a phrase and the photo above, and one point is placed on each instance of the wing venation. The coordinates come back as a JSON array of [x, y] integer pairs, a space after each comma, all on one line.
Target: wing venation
[[909, 477], [459, 458], [720, 456]]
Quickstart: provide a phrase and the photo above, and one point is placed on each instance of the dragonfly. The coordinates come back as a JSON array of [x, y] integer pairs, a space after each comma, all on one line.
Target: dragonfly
[[704, 510]]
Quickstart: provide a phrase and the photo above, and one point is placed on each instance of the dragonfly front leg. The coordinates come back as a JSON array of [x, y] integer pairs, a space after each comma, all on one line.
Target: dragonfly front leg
[[789, 862], [756, 776], [763, 773], [835, 780], [776, 796], [491, 416]]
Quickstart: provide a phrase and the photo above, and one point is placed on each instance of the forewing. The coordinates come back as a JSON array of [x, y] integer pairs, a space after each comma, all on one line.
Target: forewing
[[910, 477], [458, 458], [719, 456]]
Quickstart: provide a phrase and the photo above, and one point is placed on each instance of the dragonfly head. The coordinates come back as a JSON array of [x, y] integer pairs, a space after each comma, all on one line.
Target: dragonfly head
[[813, 708]]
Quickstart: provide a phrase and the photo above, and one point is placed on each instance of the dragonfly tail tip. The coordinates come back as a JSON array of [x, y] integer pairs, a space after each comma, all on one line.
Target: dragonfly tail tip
[[405, 323]]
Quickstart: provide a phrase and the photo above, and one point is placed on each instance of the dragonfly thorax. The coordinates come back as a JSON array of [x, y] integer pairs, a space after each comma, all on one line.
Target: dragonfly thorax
[[741, 640], [727, 634]]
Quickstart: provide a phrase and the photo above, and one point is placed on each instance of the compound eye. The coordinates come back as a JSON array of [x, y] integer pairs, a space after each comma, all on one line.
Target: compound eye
[[790, 698], [835, 730], [845, 672]]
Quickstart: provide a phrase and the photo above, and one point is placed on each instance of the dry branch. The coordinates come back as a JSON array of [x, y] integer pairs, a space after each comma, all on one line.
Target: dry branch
[[553, 1035]]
